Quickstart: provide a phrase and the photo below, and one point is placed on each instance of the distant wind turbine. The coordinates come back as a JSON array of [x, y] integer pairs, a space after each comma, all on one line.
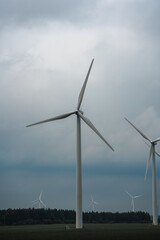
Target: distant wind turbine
[[154, 189], [132, 200], [39, 202], [92, 204], [79, 114]]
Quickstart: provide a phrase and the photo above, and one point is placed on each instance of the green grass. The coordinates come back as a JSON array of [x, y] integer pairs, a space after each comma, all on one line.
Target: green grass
[[89, 232]]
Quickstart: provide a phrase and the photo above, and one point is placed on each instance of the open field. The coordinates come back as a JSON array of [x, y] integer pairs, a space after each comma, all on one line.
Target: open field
[[90, 231]]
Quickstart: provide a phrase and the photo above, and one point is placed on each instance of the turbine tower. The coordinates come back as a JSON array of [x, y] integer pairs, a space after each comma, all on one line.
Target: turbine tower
[[79, 115], [92, 204], [132, 200], [39, 202], [154, 188]]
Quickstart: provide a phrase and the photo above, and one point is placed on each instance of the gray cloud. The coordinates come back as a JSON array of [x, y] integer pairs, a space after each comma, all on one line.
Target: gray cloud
[[29, 12]]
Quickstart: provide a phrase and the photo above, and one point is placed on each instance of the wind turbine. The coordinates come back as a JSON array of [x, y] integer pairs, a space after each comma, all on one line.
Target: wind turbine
[[39, 202], [151, 153], [132, 201], [92, 204], [79, 115]]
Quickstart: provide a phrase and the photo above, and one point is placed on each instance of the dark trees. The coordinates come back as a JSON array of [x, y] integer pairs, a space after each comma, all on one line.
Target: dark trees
[[51, 216]]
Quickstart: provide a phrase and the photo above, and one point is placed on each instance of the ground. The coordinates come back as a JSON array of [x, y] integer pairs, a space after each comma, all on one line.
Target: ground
[[89, 232]]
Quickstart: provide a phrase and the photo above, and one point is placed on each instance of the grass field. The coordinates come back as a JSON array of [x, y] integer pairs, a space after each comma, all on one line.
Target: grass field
[[90, 231]]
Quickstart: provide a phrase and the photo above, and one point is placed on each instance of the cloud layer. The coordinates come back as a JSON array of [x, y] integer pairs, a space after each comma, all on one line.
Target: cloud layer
[[45, 51]]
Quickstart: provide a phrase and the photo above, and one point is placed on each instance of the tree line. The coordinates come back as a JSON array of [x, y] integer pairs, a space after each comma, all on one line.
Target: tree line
[[52, 216]]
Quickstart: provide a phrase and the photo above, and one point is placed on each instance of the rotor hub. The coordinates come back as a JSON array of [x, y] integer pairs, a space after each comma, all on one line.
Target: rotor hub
[[80, 111]]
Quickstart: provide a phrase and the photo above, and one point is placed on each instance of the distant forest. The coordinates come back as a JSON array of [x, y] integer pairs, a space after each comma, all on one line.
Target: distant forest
[[53, 216]]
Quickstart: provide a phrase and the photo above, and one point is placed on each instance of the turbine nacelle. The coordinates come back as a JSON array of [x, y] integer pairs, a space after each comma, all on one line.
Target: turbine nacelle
[[155, 141]]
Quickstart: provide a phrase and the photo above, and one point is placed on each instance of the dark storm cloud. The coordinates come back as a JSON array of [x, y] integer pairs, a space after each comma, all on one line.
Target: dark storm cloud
[[20, 185]]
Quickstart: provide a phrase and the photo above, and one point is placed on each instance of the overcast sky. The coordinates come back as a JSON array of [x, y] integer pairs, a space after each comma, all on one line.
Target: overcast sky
[[46, 47]]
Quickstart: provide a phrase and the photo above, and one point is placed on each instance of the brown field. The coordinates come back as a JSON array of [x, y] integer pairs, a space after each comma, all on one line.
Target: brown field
[[89, 232]]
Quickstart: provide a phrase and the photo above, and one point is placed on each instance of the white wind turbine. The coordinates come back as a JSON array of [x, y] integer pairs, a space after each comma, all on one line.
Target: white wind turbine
[[92, 204], [79, 114], [132, 200], [39, 202], [154, 188]]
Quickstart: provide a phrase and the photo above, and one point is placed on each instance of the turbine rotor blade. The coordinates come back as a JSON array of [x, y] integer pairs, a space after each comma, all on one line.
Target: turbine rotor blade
[[92, 200], [150, 153], [146, 143], [142, 134], [158, 154], [52, 119], [129, 194], [43, 203], [88, 122], [34, 203], [157, 140], [40, 195], [138, 196], [83, 87]]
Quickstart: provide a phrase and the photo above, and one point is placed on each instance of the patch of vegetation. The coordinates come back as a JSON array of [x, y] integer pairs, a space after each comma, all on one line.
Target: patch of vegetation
[[54, 216]]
